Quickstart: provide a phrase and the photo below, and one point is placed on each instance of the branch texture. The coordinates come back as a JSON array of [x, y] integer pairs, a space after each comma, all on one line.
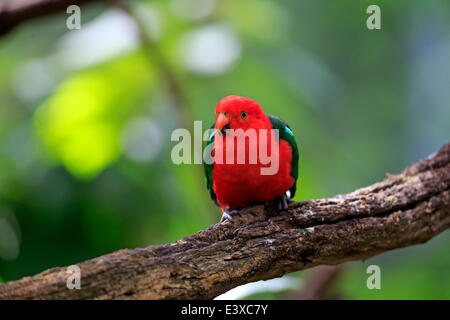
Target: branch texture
[[403, 210]]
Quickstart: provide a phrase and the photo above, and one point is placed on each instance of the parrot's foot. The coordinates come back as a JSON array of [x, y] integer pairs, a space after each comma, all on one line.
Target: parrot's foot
[[228, 215], [283, 202]]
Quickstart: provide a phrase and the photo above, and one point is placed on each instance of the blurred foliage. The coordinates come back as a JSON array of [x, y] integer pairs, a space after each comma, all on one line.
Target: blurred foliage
[[419, 272], [86, 118], [81, 121]]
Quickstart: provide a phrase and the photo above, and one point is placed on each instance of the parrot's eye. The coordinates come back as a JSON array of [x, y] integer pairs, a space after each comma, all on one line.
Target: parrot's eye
[[243, 114]]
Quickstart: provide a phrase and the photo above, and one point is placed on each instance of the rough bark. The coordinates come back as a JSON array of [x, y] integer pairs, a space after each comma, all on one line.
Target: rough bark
[[403, 210], [15, 12]]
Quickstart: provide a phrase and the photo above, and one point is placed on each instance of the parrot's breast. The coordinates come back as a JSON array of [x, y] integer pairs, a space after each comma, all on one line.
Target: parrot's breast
[[238, 185]]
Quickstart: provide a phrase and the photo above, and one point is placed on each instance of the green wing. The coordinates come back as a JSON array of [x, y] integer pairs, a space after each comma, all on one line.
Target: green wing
[[209, 168], [287, 135]]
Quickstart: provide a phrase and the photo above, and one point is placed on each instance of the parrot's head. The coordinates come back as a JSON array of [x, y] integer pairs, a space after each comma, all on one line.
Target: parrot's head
[[235, 112]]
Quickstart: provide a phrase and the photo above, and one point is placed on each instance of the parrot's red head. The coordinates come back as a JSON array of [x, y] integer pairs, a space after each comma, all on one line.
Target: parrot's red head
[[235, 112]]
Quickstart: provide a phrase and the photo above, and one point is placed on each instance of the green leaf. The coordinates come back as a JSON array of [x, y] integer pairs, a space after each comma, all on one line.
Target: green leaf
[[80, 123]]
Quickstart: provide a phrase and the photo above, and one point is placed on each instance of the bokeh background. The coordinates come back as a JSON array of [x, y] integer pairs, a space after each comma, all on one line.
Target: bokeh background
[[86, 117]]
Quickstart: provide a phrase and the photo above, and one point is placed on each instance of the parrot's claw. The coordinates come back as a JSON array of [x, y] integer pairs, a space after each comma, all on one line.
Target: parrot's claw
[[283, 202], [228, 215]]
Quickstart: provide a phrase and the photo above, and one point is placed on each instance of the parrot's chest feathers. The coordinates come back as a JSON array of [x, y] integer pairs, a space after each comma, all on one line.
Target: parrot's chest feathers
[[239, 184], [237, 173]]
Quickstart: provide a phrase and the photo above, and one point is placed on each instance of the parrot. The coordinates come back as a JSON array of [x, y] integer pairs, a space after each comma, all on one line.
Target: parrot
[[233, 186]]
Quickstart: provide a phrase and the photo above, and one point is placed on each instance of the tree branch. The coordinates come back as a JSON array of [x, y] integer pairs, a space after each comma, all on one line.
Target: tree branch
[[403, 210], [15, 12], [318, 283]]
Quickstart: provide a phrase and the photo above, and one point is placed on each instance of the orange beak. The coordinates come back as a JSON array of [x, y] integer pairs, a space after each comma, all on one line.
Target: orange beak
[[222, 122]]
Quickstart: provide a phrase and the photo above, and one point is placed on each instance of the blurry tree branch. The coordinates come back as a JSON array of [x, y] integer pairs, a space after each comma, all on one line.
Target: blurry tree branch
[[15, 12], [165, 70], [403, 210], [172, 81], [318, 283]]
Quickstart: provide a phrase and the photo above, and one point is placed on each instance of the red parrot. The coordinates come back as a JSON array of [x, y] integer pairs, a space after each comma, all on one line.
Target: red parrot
[[237, 181]]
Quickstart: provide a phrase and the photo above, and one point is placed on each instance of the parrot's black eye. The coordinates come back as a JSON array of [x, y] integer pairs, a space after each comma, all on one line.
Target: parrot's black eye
[[243, 114]]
